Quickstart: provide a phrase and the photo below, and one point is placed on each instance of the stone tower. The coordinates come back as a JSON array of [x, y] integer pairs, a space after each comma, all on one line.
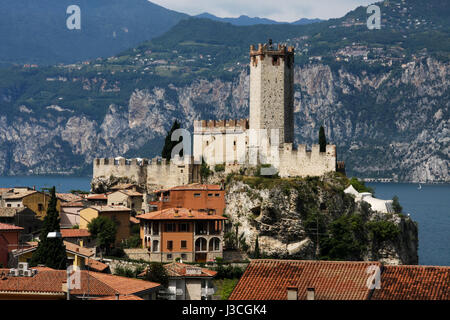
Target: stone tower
[[272, 90]]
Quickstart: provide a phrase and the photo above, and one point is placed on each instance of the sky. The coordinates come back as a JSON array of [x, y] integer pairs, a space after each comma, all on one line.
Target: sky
[[285, 10]]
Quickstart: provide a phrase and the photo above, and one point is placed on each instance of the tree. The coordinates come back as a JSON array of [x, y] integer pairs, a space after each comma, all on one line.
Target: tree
[[103, 230], [322, 140], [50, 252], [157, 273], [257, 254], [166, 152], [396, 205]]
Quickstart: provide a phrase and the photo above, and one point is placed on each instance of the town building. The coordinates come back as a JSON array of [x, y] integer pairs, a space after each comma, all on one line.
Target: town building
[[43, 283], [187, 282], [97, 199], [193, 196], [20, 197], [191, 235], [22, 217], [80, 237], [70, 213], [340, 280], [9, 241], [120, 214], [127, 198]]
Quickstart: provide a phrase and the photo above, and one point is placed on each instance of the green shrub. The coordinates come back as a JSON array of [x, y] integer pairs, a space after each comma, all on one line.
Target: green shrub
[[381, 231], [219, 167]]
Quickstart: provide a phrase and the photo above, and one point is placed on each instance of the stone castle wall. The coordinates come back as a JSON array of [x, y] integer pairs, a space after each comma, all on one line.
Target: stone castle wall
[[153, 174], [302, 163]]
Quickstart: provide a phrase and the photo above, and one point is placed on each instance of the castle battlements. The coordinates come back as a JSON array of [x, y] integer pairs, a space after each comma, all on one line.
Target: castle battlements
[[203, 126]]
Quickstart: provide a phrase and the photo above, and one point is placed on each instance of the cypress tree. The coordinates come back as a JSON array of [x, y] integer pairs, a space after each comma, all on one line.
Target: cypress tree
[[166, 152], [50, 252], [322, 140]]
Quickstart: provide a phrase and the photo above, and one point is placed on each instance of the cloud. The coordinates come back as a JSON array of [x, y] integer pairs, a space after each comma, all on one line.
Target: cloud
[[286, 10]]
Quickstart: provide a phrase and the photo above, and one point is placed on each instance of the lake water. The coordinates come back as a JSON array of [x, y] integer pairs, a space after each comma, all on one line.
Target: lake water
[[430, 207], [62, 184]]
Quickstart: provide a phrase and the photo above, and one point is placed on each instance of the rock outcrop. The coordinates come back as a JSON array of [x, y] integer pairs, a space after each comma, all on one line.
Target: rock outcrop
[[284, 215]]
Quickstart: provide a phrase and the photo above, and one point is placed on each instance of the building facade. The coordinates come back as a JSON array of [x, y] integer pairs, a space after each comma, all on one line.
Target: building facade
[[191, 235], [193, 196]]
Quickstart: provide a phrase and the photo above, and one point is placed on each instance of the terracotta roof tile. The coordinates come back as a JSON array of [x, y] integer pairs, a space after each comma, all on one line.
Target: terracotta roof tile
[[101, 196], [414, 283], [110, 208], [332, 280], [179, 214], [50, 281], [68, 197], [9, 227], [75, 233]]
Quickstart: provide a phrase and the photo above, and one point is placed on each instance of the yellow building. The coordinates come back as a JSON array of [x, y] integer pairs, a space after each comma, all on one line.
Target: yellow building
[[77, 255], [119, 214], [128, 198], [34, 200]]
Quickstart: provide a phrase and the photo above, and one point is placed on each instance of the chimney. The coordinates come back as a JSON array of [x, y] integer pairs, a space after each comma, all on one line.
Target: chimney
[[310, 294], [292, 293]]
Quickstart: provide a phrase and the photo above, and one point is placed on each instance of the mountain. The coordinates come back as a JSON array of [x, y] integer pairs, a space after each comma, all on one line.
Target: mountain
[[244, 20], [36, 32], [382, 95]]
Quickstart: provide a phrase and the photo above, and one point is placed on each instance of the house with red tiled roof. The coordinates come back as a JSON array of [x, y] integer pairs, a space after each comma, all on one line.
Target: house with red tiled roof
[[50, 284], [413, 283], [192, 196], [80, 237], [190, 235], [325, 280], [340, 280], [187, 282]]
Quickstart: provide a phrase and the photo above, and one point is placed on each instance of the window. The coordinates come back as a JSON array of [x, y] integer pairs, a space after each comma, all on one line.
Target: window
[[184, 227], [183, 256], [169, 245], [196, 195], [170, 227], [183, 244], [8, 205], [217, 194], [210, 194], [18, 205], [40, 207], [169, 256]]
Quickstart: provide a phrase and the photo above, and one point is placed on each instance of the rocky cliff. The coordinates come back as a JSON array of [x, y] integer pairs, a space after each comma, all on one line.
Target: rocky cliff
[[309, 218]]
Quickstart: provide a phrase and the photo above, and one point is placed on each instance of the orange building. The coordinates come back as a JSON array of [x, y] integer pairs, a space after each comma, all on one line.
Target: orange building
[[190, 235], [193, 196], [9, 240]]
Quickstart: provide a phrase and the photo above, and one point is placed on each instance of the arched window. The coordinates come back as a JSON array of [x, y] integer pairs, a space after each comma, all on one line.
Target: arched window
[[200, 244], [214, 244]]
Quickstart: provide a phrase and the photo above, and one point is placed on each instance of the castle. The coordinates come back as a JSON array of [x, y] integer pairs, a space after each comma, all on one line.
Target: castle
[[266, 138]]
